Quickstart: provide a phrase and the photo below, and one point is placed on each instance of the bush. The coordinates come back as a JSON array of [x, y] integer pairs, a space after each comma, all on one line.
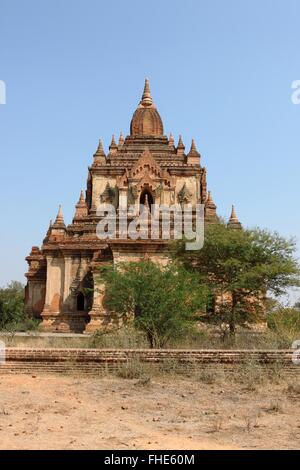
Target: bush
[[162, 302], [11, 304], [134, 369], [250, 374], [12, 312], [126, 337], [285, 320], [23, 324]]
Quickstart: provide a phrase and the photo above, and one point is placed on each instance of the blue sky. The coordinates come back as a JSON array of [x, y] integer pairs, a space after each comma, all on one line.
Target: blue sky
[[220, 72]]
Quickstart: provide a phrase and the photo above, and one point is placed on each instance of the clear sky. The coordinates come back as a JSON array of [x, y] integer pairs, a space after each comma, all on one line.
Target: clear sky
[[220, 72]]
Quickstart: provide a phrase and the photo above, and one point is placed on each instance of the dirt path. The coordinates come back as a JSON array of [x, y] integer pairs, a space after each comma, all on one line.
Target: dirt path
[[51, 412]]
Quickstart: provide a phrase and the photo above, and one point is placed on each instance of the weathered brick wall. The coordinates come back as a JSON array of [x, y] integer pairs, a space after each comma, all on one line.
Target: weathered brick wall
[[147, 355], [94, 360]]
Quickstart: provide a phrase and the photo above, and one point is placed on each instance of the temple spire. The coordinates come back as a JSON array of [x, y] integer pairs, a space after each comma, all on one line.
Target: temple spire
[[233, 214], [100, 149], [193, 146], [59, 221], [99, 156], [113, 142], [193, 157], [180, 143], [210, 209], [146, 120], [81, 198], [209, 199], [49, 228], [59, 217], [113, 148], [180, 146], [234, 221], [81, 208], [146, 98], [171, 140], [121, 140]]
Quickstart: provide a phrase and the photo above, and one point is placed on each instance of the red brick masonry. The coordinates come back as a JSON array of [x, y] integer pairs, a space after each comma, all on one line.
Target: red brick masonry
[[96, 360]]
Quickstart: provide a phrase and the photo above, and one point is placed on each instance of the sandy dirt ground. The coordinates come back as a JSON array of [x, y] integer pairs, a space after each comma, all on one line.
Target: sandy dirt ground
[[54, 412]]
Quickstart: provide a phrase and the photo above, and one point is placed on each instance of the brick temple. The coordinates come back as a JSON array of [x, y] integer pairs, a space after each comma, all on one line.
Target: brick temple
[[64, 287]]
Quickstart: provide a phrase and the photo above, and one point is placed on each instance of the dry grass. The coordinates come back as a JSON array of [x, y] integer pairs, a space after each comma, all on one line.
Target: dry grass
[[134, 369], [251, 421], [129, 338], [250, 375], [210, 375], [122, 338], [217, 423], [275, 406], [293, 388]]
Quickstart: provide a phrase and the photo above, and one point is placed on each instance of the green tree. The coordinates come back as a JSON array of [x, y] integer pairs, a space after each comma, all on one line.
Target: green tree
[[285, 319], [11, 303], [240, 265], [162, 302]]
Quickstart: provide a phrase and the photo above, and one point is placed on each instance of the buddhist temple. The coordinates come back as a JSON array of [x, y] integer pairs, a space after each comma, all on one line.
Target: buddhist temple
[[146, 167]]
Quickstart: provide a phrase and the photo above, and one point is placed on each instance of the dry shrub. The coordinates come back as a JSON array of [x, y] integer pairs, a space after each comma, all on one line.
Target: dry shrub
[[144, 381], [275, 406], [134, 369], [173, 367], [293, 388], [251, 421], [250, 374], [253, 374], [126, 337], [210, 375], [217, 423], [275, 372]]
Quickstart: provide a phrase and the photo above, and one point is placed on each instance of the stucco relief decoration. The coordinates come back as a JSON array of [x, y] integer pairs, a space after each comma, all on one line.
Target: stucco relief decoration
[[184, 195], [132, 194], [110, 195]]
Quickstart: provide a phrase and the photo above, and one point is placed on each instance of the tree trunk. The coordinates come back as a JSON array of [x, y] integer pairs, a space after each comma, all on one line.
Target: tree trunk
[[150, 339], [232, 319]]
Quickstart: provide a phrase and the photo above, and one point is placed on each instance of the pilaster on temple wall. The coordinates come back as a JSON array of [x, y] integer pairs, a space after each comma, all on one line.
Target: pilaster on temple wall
[[98, 315], [65, 279], [54, 285], [35, 298]]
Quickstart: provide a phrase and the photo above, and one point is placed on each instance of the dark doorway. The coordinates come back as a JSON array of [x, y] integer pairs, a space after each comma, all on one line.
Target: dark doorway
[[146, 199], [80, 302]]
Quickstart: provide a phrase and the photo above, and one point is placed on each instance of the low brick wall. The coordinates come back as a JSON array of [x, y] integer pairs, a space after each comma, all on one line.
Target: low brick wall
[[93, 361]]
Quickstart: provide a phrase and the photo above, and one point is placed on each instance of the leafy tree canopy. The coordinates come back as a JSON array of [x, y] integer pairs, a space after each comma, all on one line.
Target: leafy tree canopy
[[162, 302], [11, 303], [243, 264]]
